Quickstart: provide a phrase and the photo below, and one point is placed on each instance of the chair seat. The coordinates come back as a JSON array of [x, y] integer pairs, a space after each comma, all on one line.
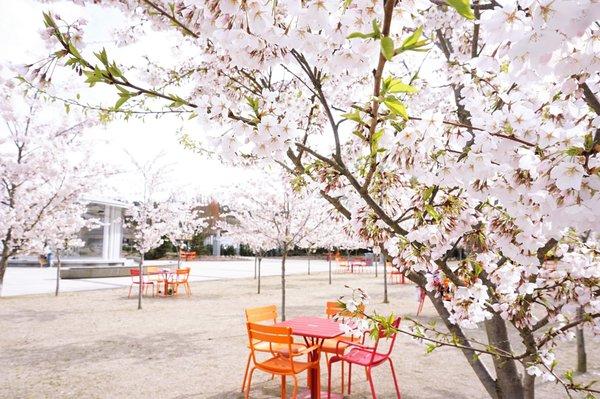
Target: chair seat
[[331, 345], [282, 365], [363, 357], [261, 346]]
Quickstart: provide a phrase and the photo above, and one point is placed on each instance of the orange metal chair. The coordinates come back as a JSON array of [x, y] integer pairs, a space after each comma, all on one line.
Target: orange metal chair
[[337, 346], [279, 363], [180, 277], [143, 283], [266, 315]]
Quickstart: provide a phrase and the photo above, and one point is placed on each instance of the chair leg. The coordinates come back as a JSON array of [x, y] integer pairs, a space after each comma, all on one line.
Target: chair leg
[[370, 379], [349, 378], [283, 387], [395, 379], [329, 379], [342, 378], [295, 391], [247, 394], [246, 372], [129, 295]]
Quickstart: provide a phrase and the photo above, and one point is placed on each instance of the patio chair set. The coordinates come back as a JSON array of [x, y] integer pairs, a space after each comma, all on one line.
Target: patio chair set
[[164, 282], [273, 349], [359, 264]]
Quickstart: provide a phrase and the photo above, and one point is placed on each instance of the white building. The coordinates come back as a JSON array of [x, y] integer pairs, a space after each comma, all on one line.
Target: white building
[[102, 244]]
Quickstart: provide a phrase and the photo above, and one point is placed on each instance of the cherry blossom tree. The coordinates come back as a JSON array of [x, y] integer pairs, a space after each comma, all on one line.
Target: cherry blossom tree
[[273, 216], [41, 174], [429, 124], [184, 220]]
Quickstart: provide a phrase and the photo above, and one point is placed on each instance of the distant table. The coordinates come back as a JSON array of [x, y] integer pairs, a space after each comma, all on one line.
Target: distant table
[[166, 273], [314, 330]]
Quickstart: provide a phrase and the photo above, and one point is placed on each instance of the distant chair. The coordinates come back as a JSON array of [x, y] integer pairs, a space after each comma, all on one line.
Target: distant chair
[[143, 283], [367, 357], [180, 277], [187, 255]]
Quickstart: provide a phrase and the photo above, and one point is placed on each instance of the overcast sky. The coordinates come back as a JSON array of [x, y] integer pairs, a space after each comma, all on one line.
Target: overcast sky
[[189, 173]]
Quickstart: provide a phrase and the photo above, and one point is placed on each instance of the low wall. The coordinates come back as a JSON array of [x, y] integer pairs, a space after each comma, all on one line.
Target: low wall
[[105, 271]]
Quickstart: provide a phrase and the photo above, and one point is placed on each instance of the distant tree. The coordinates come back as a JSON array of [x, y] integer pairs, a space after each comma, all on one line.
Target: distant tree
[[42, 176]]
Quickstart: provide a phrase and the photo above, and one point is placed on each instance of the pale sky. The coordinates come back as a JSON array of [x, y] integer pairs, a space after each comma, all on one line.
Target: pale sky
[[188, 173]]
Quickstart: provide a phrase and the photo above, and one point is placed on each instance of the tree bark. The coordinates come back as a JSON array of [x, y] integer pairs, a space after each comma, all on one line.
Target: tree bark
[[259, 260], [508, 381], [58, 265], [141, 279], [581, 353], [283, 284], [329, 268], [3, 264], [385, 285], [255, 261], [476, 364]]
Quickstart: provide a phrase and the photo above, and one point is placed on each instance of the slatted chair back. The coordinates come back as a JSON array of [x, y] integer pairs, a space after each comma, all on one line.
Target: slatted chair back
[[262, 314]]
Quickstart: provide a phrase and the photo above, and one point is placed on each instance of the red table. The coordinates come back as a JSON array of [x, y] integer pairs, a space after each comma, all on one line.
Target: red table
[[166, 273], [314, 330]]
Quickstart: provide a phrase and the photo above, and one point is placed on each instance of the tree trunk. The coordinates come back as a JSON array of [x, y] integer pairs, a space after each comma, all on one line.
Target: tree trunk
[[375, 263], [283, 284], [477, 365], [329, 268], [178, 258], [255, 261], [259, 260], [3, 264], [385, 285], [309, 266], [58, 265], [141, 279], [350, 265], [508, 381], [581, 354]]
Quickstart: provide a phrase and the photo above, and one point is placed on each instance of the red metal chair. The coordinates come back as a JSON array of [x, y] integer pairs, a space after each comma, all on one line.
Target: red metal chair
[[367, 357], [142, 282]]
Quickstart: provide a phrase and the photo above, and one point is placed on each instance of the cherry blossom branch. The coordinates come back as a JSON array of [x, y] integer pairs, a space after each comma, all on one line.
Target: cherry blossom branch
[[171, 18]]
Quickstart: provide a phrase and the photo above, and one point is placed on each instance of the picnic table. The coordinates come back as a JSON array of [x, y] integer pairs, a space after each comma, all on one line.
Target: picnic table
[[314, 330]]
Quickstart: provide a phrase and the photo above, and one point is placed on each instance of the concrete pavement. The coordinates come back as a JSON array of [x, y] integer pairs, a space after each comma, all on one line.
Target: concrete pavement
[[35, 280]]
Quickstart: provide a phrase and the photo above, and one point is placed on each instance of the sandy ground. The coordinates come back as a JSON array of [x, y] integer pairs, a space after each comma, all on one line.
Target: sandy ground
[[96, 344]]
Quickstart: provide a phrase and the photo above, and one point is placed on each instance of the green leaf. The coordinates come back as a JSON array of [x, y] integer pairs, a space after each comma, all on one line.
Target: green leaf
[[353, 116], [463, 7], [432, 212], [387, 47], [574, 151], [394, 85], [102, 56], [413, 38], [358, 35], [376, 30], [430, 348], [396, 106], [120, 101], [375, 141]]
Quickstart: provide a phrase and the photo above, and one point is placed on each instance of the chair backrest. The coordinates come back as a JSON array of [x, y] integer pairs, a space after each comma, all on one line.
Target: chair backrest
[[135, 275], [182, 274], [333, 308], [275, 336], [152, 269], [391, 338], [261, 314]]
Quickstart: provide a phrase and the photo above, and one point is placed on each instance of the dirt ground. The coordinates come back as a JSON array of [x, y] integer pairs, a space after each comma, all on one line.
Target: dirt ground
[[96, 344]]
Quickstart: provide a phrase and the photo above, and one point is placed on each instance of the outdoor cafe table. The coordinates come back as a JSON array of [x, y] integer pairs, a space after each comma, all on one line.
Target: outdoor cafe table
[[166, 273], [314, 330]]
